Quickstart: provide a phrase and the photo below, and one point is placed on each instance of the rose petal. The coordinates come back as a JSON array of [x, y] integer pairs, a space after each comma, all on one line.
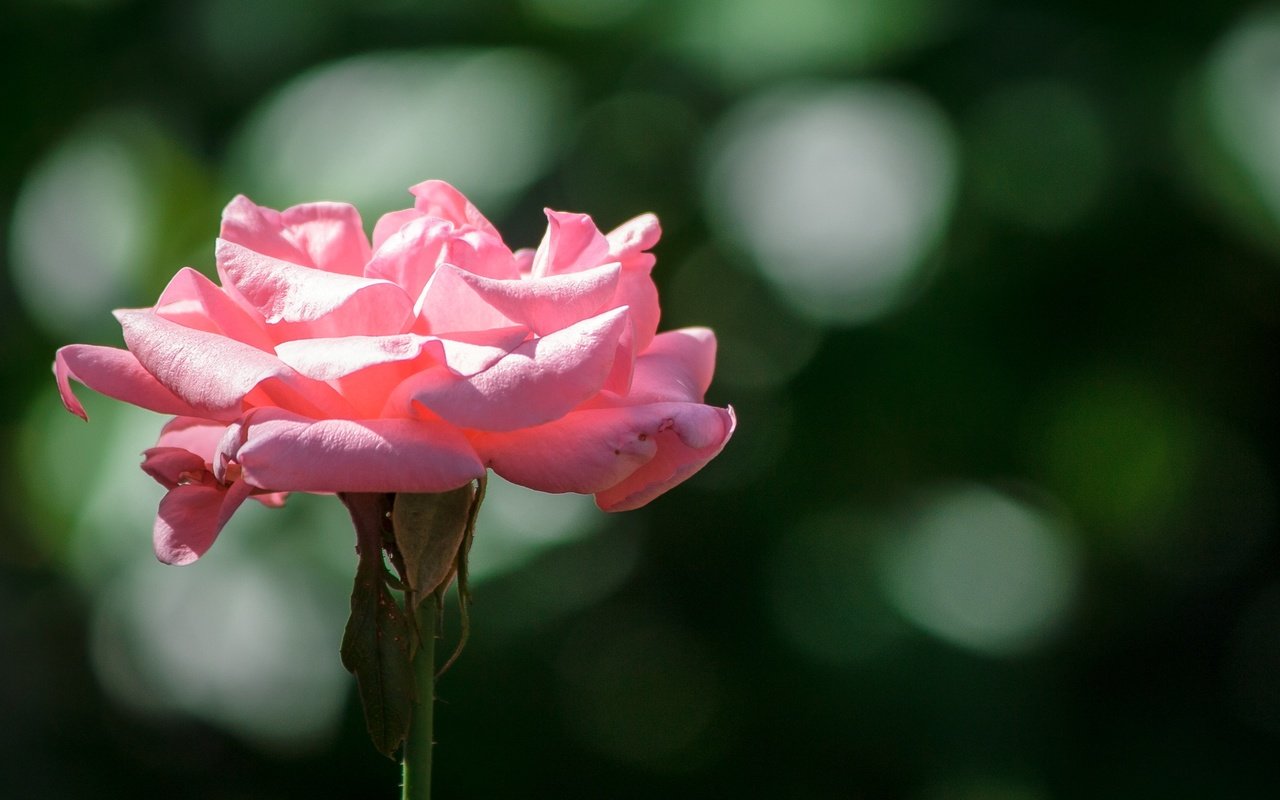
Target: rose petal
[[168, 465], [327, 236], [599, 450], [297, 302], [683, 448], [449, 305], [196, 302], [272, 499], [199, 436], [117, 374], [633, 237], [470, 353], [329, 358], [536, 382], [572, 243], [461, 300], [637, 291], [408, 256], [481, 254], [281, 451], [524, 261], [439, 199], [391, 222], [190, 518], [215, 376], [677, 367]]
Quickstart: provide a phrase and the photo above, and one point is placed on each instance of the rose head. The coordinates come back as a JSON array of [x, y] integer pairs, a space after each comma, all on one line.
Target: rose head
[[326, 364]]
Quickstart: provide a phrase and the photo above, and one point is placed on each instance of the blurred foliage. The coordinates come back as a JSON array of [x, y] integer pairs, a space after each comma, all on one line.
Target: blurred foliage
[[996, 287]]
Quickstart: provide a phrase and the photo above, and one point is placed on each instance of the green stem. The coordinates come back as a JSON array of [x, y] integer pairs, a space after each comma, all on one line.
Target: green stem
[[417, 748]]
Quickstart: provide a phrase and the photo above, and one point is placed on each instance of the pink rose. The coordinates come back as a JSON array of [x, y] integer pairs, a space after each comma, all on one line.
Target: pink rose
[[324, 364]]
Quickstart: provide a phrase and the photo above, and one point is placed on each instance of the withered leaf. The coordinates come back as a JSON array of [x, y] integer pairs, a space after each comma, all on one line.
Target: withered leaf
[[429, 531], [376, 649], [377, 644]]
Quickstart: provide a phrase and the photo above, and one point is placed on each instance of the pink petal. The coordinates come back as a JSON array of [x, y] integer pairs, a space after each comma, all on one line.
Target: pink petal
[[539, 381], [439, 199], [449, 304], [298, 303], [196, 435], [599, 450], [677, 367], [624, 362], [408, 256], [469, 353], [544, 305], [524, 261], [216, 376], [391, 222], [190, 518], [115, 373], [572, 243], [327, 236], [193, 300], [272, 499], [627, 244], [634, 237], [684, 447], [281, 451], [364, 369], [636, 290], [168, 465], [327, 359], [480, 253]]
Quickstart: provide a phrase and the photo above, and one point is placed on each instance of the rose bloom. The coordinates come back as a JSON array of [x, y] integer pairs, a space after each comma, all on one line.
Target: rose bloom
[[324, 364]]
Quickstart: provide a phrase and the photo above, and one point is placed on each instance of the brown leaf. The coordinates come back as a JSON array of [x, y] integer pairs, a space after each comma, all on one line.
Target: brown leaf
[[377, 643], [429, 532]]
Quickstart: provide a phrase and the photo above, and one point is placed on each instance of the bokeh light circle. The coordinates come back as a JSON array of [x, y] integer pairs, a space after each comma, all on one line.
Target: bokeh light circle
[[838, 191]]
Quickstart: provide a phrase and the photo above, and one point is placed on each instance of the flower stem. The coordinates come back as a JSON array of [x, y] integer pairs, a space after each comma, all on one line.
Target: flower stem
[[417, 748]]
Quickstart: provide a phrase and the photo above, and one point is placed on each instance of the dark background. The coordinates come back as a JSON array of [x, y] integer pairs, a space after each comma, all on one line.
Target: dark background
[[996, 290]]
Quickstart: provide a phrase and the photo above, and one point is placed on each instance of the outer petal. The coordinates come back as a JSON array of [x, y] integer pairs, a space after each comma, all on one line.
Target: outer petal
[[297, 302], [327, 236], [677, 367], [572, 243], [190, 518], [627, 244], [193, 300], [684, 448], [281, 451], [636, 290], [117, 374], [539, 381], [461, 300], [600, 450], [214, 376], [634, 236], [198, 436], [168, 465]]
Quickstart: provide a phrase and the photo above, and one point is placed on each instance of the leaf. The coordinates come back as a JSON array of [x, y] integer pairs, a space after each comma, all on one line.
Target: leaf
[[464, 592], [377, 643], [429, 534]]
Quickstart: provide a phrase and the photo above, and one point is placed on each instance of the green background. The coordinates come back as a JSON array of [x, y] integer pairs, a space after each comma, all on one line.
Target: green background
[[996, 289]]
